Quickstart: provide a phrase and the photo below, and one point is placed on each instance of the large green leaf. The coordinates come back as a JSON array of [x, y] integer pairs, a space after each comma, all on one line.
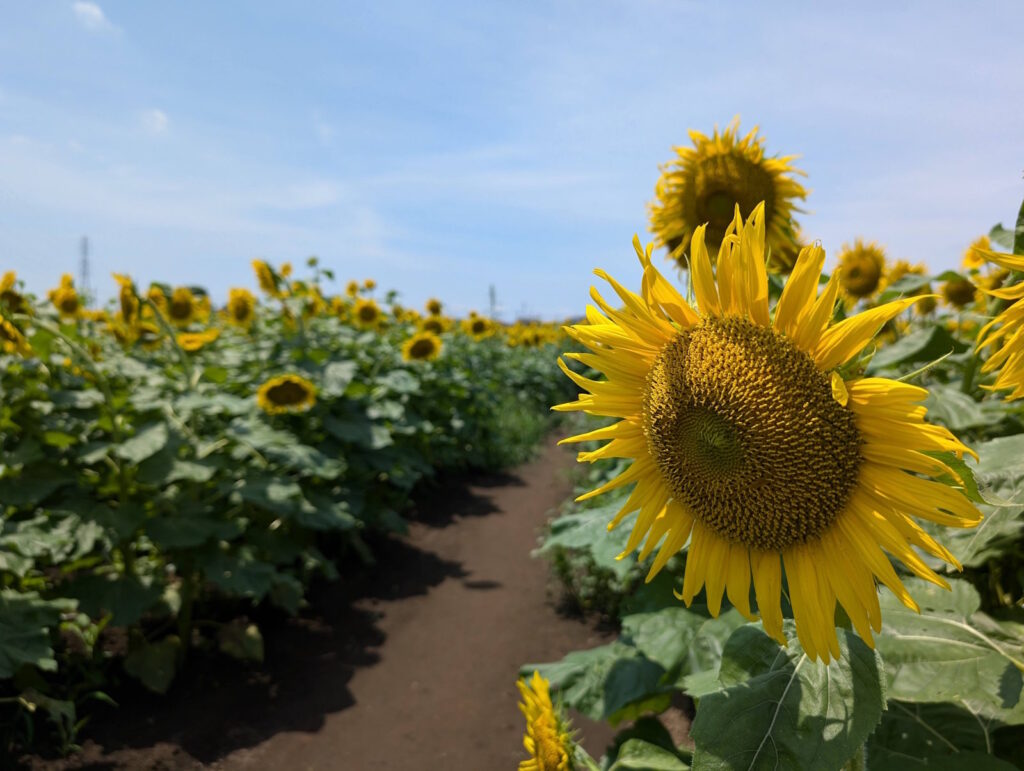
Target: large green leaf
[[920, 346], [944, 737], [780, 710], [587, 531], [147, 441], [956, 410], [154, 664], [602, 681], [638, 755], [126, 598], [952, 651], [25, 624], [337, 375]]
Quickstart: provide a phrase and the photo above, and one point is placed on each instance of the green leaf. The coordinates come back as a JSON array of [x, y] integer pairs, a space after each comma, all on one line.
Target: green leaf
[[25, 624], [337, 375], [239, 574], [956, 410], [601, 681], [399, 381], [638, 755], [125, 597], [587, 531], [358, 430], [154, 664], [147, 441], [943, 737], [187, 532], [922, 345], [1018, 235], [780, 710], [951, 651]]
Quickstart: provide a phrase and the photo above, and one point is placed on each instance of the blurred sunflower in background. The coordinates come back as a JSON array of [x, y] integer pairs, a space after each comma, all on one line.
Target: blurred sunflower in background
[[960, 292], [286, 394], [548, 738], [434, 306], [182, 308], [11, 339], [423, 346], [65, 298], [974, 255], [266, 278], [750, 442], [900, 269], [367, 314], [127, 298], [10, 297], [862, 271], [705, 183], [478, 327], [241, 308], [195, 341]]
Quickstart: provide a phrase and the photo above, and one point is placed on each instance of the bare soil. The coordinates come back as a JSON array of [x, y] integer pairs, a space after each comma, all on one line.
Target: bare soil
[[413, 666]]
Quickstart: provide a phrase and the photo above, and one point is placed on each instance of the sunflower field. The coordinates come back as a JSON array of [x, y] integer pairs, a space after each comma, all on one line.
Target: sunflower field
[[803, 496], [166, 466]]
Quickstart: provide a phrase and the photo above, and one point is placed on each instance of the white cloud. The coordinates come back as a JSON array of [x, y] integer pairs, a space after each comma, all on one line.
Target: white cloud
[[90, 15], [155, 121]]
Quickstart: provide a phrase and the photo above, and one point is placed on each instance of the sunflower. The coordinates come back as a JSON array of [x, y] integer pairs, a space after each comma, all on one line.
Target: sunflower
[[1004, 334], [901, 269], [435, 324], [127, 298], [10, 297], [423, 346], [182, 309], [548, 737], [478, 327], [11, 339], [287, 393], [352, 288], [241, 308], [862, 270], [267, 279], [974, 256], [195, 341], [434, 306], [148, 335], [960, 292], [65, 299], [750, 441], [706, 182], [366, 314], [369, 285]]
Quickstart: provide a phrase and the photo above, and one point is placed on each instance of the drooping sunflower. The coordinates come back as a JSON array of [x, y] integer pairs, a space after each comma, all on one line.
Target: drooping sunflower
[[241, 308], [267, 279], [10, 297], [65, 298], [974, 255], [196, 341], [286, 393], [751, 442], [706, 182], [862, 270], [366, 314], [11, 339], [1004, 334], [434, 306], [548, 737], [423, 346], [182, 308], [127, 298]]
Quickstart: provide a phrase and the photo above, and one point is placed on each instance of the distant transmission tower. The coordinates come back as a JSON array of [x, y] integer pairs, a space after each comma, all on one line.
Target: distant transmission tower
[[84, 287], [493, 297]]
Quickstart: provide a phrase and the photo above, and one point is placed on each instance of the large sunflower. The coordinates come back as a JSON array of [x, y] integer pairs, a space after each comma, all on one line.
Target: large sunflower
[[1004, 334], [750, 440], [706, 182], [548, 739]]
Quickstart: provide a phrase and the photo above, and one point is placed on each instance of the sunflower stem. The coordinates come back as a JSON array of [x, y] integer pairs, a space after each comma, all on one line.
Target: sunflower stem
[[186, 362]]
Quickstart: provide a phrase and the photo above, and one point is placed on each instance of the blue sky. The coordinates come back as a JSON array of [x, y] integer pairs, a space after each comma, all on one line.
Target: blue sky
[[446, 147]]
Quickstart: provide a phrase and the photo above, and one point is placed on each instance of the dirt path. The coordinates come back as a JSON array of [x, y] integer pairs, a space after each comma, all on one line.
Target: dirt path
[[413, 670]]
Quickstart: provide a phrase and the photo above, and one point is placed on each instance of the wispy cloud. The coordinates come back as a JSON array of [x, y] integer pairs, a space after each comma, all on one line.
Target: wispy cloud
[[91, 16], [155, 121]]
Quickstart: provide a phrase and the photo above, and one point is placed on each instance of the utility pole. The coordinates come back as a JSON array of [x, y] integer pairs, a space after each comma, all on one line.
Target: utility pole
[[494, 301], [84, 288]]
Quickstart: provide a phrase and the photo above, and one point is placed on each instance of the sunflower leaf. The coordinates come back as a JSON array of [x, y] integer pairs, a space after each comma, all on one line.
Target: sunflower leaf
[[951, 651], [784, 711]]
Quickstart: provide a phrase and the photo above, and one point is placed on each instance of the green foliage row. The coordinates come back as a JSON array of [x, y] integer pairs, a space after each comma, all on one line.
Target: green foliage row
[[145, 498]]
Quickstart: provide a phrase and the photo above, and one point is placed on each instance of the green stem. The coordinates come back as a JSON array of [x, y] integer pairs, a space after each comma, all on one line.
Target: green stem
[[188, 597], [859, 761], [186, 362]]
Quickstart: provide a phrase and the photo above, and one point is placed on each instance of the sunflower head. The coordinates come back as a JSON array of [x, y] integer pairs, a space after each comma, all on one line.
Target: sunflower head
[[750, 443], [11, 339], [901, 269], [148, 335], [959, 292], [478, 327], [65, 299], [862, 270], [270, 283], [974, 255], [423, 346], [241, 308], [127, 298], [195, 341], [286, 394], [369, 285], [366, 314], [1004, 334], [705, 183], [433, 324], [434, 306], [548, 738], [10, 297], [182, 308], [352, 288]]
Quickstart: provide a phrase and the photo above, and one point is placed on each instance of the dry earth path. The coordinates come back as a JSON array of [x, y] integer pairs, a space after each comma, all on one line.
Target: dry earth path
[[412, 669]]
